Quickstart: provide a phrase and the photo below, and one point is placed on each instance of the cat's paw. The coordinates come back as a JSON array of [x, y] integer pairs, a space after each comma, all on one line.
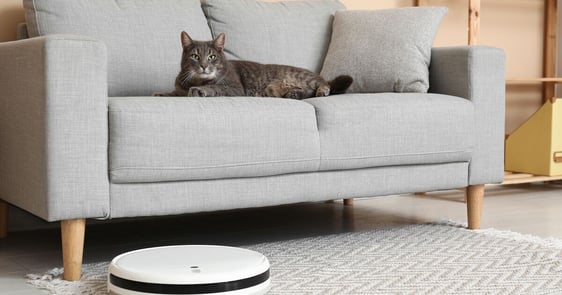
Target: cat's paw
[[200, 92], [323, 90], [296, 93], [160, 94]]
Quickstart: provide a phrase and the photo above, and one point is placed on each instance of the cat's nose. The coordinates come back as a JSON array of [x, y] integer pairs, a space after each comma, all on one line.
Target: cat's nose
[[205, 69]]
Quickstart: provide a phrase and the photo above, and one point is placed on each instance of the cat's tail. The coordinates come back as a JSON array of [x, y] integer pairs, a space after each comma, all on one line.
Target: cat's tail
[[340, 84]]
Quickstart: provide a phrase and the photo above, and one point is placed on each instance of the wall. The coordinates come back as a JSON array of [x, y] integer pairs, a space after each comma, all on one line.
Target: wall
[[11, 13]]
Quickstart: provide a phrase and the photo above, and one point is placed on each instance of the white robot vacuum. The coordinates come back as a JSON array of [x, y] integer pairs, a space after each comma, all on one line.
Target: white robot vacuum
[[190, 269]]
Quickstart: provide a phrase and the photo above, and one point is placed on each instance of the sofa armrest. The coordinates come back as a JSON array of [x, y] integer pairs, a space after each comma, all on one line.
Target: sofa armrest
[[476, 73], [53, 126]]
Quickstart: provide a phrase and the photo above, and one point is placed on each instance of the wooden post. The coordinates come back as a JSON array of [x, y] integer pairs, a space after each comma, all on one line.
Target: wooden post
[[348, 202], [72, 232], [3, 219], [473, 21], [474, 200], [549, 49]]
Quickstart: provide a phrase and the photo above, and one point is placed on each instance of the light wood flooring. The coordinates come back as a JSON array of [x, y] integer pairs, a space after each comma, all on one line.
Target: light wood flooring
[[531, 209]]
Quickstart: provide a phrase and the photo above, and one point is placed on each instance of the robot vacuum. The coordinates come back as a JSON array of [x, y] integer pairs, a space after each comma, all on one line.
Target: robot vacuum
[[189, 269]]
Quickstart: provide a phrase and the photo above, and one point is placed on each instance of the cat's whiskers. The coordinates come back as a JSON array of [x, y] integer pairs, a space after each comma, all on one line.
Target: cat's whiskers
[[184, 75]]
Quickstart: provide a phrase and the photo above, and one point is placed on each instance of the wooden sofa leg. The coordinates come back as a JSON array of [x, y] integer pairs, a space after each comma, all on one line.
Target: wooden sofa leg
[[474, 200], [72, 232], [3, 219], [348, 202]]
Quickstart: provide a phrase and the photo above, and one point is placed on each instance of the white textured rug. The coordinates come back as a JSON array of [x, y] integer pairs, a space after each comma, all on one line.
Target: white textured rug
[[416, 259]]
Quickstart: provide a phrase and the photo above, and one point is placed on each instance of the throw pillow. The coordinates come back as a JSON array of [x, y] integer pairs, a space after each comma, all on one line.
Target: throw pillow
[[294, 33], [383, 50]]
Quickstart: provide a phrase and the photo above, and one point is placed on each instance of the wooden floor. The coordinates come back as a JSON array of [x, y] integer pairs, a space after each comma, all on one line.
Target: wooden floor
[[531, 209]]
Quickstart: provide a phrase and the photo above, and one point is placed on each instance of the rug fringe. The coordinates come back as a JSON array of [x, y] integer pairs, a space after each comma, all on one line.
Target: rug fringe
[[550, 242], [52, 281], [547, 242], [449, 222]]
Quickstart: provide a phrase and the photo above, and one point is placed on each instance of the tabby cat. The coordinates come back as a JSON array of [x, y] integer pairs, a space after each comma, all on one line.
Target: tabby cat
[[206, 72]]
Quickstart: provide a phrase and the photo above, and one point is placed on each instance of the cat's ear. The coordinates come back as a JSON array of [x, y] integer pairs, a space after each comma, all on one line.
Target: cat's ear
[[219, 41], [185, 39]]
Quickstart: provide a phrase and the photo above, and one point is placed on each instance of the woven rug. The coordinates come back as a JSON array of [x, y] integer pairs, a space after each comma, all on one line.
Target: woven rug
[[438, 258]]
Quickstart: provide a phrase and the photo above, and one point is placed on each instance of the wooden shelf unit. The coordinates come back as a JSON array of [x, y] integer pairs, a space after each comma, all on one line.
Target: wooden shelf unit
[[549, 81], [533, 80], [549, 68], [519, 178]]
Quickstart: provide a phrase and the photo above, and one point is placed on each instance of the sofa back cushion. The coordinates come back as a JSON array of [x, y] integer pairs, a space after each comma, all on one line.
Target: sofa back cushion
[[142, 36], [295, 33]]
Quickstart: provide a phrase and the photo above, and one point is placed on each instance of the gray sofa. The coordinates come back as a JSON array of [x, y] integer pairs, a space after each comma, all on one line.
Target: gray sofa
[[81, 137]]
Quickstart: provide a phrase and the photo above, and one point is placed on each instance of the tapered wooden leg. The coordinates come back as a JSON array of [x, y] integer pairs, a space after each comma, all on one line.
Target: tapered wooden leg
[[474, 200], [3, 219], [72, 232], [348, 202]]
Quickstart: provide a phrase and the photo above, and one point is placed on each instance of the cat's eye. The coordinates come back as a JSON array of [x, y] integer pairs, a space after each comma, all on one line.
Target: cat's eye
[[212, 57], [195, 56]]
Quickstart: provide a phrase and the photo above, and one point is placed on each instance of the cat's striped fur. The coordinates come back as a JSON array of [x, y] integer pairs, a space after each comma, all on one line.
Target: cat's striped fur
[[206, 72]]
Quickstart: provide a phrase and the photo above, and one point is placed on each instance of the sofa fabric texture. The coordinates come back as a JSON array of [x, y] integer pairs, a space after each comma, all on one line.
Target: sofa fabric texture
[[156, 139], [295, 33], [163, 198], [142, 36], [81, 137], [21, 32], [477, 73], [392, 129], [388, 51], [54, 132], [177, 139]]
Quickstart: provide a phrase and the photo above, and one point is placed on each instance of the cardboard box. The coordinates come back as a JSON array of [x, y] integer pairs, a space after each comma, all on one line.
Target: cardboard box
[[536, 146]]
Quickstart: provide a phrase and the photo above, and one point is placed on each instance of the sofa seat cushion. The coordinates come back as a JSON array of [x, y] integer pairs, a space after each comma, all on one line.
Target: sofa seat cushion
[[386, 129], [155, 139]]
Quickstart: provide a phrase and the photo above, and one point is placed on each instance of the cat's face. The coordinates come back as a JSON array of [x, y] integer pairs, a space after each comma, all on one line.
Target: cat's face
[[202, 62]]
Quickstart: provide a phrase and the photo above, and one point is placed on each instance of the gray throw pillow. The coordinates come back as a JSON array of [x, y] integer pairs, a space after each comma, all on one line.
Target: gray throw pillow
[[295, 33], [383, 50], [142, 36]]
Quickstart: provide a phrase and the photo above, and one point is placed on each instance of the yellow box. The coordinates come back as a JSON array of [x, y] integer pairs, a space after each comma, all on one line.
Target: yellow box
[[536, 146]]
